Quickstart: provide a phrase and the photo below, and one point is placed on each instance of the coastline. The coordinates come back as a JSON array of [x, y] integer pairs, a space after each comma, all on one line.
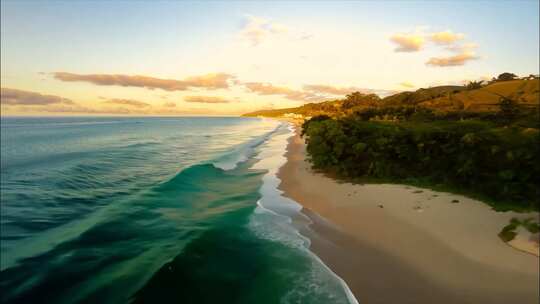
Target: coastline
[[395, 243]]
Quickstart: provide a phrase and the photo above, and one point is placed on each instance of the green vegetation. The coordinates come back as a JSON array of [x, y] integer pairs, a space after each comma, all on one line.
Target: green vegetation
[[506, 77], [473, 85], [508, 233], [479, 140], [531, 226], [482, 154]]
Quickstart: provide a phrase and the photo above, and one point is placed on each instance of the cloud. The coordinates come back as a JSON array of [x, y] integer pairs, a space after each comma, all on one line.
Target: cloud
[[456, 60], [463, 53], [31, 101], [209, 81], [82, 109], [407, 84], [257, 29], [413, 42], [445, 37], [205, 99], [18, 101], [20, 97], [68, 108], [269, 89], [408, 42], [310, 93], [128, 102], [326, 89]]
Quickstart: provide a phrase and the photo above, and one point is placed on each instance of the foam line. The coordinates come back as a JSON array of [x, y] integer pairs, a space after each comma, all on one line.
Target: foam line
[[273, 203]]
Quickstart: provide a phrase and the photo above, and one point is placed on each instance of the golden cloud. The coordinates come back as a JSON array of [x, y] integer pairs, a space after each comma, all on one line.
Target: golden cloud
[[209, 81], [205, 99], [269, 89], [85, 110], [327, 89], [408, 42], [128, 102], [79, 109], [445, 37], [18, 101], [456, 60], [20, 97]]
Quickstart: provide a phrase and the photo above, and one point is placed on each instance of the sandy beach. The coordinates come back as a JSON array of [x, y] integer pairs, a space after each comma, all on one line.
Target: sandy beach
[[401, 244]]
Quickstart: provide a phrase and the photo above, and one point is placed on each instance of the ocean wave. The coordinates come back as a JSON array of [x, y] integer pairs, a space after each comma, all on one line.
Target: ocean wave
[[131, 239], [243, 151], [222, 219], [278, 218]]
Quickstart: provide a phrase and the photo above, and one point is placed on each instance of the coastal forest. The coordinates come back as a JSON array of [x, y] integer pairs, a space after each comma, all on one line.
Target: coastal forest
[[480, 139]]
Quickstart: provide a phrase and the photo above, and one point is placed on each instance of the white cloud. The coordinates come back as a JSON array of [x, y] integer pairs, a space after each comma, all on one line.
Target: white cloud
[[257, 29]]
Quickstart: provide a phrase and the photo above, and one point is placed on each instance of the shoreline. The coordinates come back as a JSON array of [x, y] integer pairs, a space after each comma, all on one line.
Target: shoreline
[[395, 243]]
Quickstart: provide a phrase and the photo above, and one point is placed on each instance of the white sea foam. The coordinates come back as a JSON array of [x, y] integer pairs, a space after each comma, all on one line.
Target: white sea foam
[[272, 220], [244, 151]]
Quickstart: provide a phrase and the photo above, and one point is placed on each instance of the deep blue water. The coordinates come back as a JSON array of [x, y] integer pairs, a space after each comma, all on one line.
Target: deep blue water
[[183, 210]]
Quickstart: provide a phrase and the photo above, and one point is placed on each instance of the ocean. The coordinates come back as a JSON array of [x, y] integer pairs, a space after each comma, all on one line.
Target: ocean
[[153, 210]]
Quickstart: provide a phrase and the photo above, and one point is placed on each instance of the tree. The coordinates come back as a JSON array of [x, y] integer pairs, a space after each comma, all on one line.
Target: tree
[[357, 98], [320, 117], [352, 100], [472, 85], [506, 77]]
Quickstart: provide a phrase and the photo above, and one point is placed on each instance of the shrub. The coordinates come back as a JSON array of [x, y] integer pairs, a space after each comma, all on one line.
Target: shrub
[[506, 76], [474, 155], [473, 85]]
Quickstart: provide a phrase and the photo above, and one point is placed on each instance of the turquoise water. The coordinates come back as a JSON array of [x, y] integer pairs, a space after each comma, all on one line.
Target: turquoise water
[[152, 210]]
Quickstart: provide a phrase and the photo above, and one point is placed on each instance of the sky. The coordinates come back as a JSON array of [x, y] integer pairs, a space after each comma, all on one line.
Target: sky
[[228, 58]]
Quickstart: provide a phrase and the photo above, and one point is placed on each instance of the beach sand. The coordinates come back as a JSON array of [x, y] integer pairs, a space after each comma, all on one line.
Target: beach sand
[[401, 244]]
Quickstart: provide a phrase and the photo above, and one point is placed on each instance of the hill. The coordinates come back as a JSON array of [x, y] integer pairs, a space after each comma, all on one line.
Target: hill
[[523, 92], [486, 98]]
